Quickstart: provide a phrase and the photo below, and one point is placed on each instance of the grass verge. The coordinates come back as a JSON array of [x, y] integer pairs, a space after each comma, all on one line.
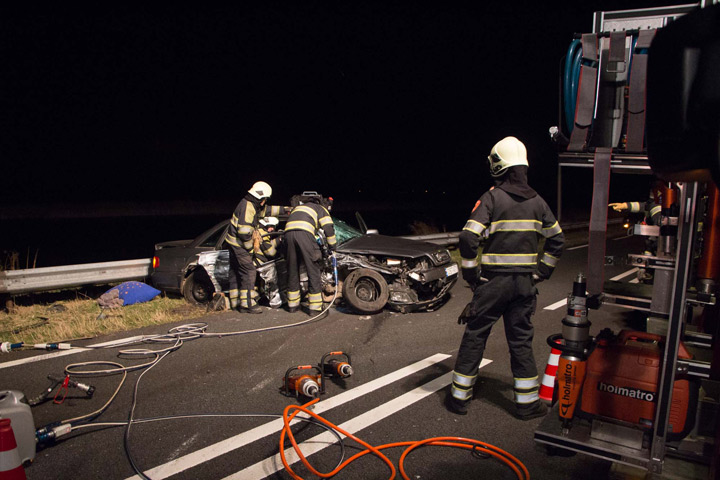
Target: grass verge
[[65, 320]]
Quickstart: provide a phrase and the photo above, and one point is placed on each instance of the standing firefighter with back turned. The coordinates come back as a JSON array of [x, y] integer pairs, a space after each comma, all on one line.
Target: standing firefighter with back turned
[[239, 242], [303, 227], [511, 216]]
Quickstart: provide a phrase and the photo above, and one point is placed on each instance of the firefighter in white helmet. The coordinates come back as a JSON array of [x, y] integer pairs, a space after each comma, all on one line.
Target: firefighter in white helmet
[[511, 217], [239, 242]]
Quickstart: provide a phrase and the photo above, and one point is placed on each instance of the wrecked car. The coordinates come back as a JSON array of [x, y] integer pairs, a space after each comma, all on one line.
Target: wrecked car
[[374, 271]]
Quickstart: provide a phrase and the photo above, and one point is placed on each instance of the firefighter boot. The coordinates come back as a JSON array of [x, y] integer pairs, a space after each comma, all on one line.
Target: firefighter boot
[[456, 406], [534, 410]]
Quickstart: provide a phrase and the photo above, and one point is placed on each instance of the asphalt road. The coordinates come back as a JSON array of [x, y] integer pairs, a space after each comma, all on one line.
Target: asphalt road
[[402, 368]]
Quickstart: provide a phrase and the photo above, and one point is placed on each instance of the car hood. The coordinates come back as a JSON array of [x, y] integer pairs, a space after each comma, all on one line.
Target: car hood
[[173, 243], [388, 246]]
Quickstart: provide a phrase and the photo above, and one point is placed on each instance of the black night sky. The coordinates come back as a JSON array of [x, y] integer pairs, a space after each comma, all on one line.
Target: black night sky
[[374, 102]]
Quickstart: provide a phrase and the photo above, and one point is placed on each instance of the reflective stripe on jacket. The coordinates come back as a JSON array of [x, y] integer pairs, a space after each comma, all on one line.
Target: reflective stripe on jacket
[[513, 226], [311, 217], [245, 220]]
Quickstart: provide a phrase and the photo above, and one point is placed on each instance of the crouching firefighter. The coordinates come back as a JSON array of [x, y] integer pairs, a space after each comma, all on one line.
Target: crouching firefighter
[[301, 232], [266, 241], [240, 244], [511, 217]]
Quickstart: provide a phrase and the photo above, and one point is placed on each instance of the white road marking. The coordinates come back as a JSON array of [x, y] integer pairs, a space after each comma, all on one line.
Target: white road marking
[[556, 305], [562, 302], [72, 351], [193, 459], [274, 464], [623, 275]]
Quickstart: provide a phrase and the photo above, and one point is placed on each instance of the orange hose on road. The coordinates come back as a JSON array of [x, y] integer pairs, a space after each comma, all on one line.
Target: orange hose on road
[[516, 465]]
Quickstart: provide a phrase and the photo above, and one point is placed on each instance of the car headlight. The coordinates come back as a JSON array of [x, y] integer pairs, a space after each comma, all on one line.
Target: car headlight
[[400, 297], [441, 256]]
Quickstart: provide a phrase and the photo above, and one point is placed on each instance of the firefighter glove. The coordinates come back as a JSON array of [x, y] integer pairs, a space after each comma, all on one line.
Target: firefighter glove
[[465, 315], [537, 278]]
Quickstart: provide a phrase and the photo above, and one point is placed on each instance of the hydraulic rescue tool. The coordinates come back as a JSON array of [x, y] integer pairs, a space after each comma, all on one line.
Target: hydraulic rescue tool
[[64, 382], [299, 381], [614, 378], [575, 346], [335, 365]]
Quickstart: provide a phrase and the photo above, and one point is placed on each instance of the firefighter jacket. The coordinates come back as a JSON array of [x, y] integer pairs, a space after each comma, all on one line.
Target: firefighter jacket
[[651, 210], [245, 220], [311, 217], [512, 226], [265, 246]]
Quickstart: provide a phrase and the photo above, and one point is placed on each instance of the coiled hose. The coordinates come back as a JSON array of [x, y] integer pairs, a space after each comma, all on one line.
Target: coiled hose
[[474, 445]]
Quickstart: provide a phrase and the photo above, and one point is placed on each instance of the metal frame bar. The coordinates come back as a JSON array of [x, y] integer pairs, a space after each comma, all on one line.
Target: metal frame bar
[[678, 309]]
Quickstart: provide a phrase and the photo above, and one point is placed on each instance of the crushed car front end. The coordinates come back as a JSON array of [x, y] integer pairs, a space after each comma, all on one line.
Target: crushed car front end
[[419, 275]]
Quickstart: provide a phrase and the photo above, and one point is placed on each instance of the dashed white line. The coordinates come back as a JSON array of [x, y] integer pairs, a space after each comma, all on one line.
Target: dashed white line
[[625, 274], [562, 302]]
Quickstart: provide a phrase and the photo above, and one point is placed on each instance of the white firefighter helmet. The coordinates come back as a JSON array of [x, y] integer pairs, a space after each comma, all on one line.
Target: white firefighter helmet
[[260, 190], [269, 222], [508, 152]]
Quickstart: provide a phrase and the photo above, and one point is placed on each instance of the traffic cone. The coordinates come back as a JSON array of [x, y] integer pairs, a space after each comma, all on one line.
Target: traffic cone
[[548, 382], [10, 465]]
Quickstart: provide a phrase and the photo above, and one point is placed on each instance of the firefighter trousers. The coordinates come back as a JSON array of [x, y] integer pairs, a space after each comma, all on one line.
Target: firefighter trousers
[[513, 297], [242, 278], [302, 247]]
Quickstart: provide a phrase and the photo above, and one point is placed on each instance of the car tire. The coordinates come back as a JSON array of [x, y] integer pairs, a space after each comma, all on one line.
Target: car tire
[[365, 290], [198, 288]]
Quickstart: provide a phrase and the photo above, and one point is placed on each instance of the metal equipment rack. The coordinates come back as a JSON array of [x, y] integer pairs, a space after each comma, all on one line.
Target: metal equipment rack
[[578, 438], [649, 455]]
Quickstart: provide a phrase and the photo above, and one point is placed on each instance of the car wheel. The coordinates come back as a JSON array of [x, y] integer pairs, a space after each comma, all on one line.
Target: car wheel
[[365, 290], [197, 287]]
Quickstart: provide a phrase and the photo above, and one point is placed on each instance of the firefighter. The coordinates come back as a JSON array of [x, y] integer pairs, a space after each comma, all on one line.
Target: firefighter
[[651, 209], [239, 241], [510, 217], [265, 249], [302, 231]]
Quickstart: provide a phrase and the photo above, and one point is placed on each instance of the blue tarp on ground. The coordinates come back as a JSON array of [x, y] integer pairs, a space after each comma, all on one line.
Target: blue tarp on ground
[[128, 293]]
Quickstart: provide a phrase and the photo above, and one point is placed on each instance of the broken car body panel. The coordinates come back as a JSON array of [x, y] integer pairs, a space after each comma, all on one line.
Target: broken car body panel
[[418, 275]]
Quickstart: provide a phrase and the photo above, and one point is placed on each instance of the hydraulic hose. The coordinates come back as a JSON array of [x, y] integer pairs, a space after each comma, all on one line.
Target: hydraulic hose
[[570, 84], [516, 465]]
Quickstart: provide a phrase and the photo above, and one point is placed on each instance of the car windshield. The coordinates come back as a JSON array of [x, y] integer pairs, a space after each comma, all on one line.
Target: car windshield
[[344, 232]]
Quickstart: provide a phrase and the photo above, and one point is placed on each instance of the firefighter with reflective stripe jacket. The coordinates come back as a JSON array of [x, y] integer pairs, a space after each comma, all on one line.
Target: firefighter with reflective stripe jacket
[[239, 241], [302, 231], [510, 217], [266, 245], [652, 210]]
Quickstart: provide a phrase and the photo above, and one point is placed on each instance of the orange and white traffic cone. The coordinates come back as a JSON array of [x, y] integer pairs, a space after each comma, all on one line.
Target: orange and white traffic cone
[[547, 387], [10, 465]]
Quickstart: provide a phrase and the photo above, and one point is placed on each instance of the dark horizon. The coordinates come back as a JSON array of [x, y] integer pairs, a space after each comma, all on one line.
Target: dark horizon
[[144, 109], [120, 104]]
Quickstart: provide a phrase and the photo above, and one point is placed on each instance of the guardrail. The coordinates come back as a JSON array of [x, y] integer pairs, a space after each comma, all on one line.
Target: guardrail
[[14, 282]]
